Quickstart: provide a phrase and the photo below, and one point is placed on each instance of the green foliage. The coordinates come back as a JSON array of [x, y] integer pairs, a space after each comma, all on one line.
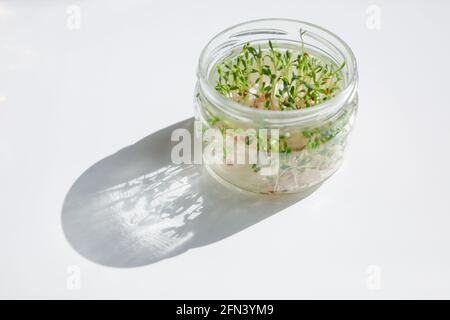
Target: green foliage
[[277, 79]]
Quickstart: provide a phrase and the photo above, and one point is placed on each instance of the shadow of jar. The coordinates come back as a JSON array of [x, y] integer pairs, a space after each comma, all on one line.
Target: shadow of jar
[[136, 207]]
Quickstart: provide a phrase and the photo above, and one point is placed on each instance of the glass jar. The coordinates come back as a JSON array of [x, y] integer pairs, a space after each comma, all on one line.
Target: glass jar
[[313, 138]]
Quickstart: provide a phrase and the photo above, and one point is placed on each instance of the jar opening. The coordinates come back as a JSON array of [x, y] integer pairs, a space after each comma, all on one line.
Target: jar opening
[[284, 32]]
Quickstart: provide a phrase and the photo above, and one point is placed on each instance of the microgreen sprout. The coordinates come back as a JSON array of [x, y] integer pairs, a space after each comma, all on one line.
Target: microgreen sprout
[[278, 79]]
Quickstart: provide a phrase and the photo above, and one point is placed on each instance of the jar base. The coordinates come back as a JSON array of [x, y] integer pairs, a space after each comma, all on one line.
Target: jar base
[[302, 192]]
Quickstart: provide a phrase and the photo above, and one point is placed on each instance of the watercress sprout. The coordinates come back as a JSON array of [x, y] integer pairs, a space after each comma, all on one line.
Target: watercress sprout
[[278, 79]]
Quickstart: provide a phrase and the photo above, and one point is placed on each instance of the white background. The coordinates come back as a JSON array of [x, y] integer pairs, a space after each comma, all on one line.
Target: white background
[[70, 97]]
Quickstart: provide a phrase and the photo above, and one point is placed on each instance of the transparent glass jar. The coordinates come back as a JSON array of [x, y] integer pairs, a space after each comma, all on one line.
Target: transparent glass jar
[[316, 136]]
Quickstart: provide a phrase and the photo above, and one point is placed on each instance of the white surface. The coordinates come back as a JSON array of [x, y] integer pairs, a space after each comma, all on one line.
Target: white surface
[[70, 98]]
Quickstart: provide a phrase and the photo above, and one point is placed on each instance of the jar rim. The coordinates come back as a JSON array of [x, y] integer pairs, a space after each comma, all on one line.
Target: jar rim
[[324, 108]]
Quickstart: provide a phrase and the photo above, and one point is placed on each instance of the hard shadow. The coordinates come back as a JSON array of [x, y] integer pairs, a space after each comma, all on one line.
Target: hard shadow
[[136, 207]]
